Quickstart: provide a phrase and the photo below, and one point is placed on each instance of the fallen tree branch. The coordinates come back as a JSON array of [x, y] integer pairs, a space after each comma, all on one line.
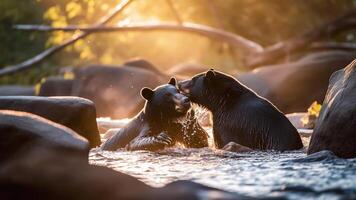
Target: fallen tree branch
[[48, 52], [281, 49], [231, 38]]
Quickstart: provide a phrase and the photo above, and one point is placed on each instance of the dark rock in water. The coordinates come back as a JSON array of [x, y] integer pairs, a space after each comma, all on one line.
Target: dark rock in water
[[45, 174], [202, 191], [234, 147], [293, 86], [318, 157], [76, 113], [55, 86], [297, 188], [346, 193], [17, 90], [336, 125], [20, 131]]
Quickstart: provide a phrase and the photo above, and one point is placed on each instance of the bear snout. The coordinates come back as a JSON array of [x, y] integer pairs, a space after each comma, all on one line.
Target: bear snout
[[182, 103], [183, 86], [185, 100]]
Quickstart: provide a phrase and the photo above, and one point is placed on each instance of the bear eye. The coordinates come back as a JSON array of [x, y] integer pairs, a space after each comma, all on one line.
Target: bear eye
[[168, 94]]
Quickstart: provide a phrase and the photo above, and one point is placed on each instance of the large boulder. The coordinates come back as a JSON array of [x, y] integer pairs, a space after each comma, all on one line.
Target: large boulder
[[20, 131], [55, 86], [116, 90], [336, 125], [76, 113], [294, 86]]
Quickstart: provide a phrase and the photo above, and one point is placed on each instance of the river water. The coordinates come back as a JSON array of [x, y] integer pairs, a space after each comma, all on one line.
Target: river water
[[256, 174]]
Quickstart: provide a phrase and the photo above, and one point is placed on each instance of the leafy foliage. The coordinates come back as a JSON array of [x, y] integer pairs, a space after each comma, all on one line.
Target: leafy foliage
[[309, 120]]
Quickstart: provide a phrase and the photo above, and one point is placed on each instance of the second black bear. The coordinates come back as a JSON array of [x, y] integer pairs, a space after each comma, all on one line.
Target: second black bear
[[239, 114], [164, 121]]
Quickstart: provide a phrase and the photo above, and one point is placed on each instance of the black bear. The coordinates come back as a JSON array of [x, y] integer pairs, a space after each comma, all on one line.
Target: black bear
[[239, 114], [164, 121]]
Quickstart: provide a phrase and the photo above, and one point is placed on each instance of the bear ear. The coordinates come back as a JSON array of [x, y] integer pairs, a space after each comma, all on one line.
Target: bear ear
[[173, 81], [210, 75], [147, 93]]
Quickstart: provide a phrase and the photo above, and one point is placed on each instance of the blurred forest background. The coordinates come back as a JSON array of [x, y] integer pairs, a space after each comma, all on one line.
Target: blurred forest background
[[265, 22]]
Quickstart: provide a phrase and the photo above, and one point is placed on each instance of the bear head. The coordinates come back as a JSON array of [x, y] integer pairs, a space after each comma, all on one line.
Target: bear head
[[165, 102], [210, 89]]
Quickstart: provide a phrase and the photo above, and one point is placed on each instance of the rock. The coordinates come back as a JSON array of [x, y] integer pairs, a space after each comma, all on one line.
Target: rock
[[199, 191], [55, 86], [336, 125], [76, 113], [20, 131], [142, 64], [17, 90], [317, 157], [234, 147], [293, 86], [115, 90]]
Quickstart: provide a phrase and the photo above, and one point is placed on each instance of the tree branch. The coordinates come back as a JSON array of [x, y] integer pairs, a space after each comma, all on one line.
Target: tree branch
[[283, 48], [48, 52], [231, 38]]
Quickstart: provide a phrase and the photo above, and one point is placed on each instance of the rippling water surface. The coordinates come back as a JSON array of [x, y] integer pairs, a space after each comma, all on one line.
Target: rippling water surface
[[258, 174]]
